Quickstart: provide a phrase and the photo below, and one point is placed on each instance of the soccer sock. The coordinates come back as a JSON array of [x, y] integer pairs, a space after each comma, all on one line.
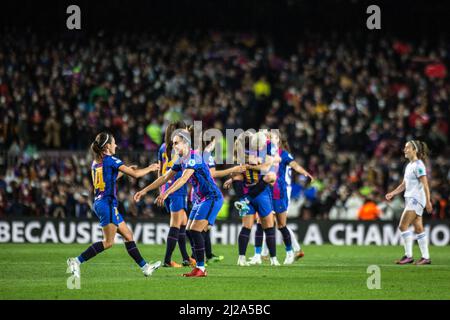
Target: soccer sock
[[271, 241], [264, 251], [191, 241], [295, 245], [133, 251], [199, 245], [91, 252], [286, 238], [408, 242], [208, 248], [172, 239], [423, 245], [259, 236], [182, 243], [244, 237]]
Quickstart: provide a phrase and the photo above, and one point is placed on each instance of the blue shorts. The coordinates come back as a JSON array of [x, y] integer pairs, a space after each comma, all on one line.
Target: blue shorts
[[263, 203], [106, 210], [206, 210], [175, 203], [280, 205]]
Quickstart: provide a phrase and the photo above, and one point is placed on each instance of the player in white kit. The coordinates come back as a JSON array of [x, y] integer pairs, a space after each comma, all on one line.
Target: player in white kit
[[417, 197]]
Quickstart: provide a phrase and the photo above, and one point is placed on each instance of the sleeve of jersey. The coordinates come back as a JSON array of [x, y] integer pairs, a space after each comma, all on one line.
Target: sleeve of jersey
[[420, 170], [287, 157], [116, 163], [177, 166], [194, 162]]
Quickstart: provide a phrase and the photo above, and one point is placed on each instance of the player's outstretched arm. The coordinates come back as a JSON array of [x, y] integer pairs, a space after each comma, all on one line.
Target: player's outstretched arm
[[175, 186], [429, 205], [397, 190], [155, 184], [121, 174], [137, 173], [299, 169], [223, 173]]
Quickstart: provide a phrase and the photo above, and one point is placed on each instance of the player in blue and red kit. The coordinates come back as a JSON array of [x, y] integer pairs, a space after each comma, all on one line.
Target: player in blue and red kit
[[176, 204], [253, 190], [208, 197], [106, 169], [285, 160]]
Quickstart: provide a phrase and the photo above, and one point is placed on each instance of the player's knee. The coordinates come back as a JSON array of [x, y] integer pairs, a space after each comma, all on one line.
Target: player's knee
[[418, 229], [402, 228], [175, 222], [247, 224], [128, 237]]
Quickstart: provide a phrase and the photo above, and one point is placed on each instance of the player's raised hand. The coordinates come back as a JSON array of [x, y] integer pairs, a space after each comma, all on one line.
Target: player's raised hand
[[138, 195], [227, 184], [160, 199], [154, 167], [311, 178]]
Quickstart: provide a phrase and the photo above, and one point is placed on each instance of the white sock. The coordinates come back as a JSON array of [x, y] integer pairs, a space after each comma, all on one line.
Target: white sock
[[272, 259], [265, 250], [144, 266], [77, 260], [242, 258], [202, 268], [295, 245], [408, 242], [423, 245]]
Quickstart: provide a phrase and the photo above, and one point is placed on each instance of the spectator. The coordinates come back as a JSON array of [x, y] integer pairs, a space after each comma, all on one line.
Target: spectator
[[369, 211]]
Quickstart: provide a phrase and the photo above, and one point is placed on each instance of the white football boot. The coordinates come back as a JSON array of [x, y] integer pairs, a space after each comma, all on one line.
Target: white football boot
[[74, 266], [149, 268], [242, 262], [274, 262], [256, 259], [290, 257]]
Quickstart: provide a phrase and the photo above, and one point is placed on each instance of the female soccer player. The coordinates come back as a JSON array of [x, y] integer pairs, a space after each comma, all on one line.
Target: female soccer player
[[281, 200], [207, 155], [417, 197], [105, 171], [253, 191], [208, 197], [176, 204]]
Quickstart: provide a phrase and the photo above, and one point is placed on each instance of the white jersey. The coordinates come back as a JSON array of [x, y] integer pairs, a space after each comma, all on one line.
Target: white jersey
[[413, 186]]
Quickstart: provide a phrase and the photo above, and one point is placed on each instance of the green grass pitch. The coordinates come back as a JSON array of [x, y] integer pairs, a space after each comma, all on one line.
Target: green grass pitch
[[37, 271]]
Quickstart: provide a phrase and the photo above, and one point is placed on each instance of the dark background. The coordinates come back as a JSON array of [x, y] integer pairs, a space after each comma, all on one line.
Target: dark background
[[283, 18]]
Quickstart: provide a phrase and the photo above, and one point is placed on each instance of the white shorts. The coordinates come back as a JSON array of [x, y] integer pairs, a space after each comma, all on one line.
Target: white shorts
[[412, 204]]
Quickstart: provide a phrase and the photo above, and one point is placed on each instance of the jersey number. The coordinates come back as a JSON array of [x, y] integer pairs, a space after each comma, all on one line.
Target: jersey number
[[98, 179]]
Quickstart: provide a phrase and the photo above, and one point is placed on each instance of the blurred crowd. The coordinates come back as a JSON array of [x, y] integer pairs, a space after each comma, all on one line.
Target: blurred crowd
[[347, 107]]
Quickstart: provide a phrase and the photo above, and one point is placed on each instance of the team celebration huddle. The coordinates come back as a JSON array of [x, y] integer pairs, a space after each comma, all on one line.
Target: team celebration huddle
[[258, 173]]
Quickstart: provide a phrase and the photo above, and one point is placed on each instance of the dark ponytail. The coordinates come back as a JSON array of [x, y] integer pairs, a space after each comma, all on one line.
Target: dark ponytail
[[168, 136], [99, 144]]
